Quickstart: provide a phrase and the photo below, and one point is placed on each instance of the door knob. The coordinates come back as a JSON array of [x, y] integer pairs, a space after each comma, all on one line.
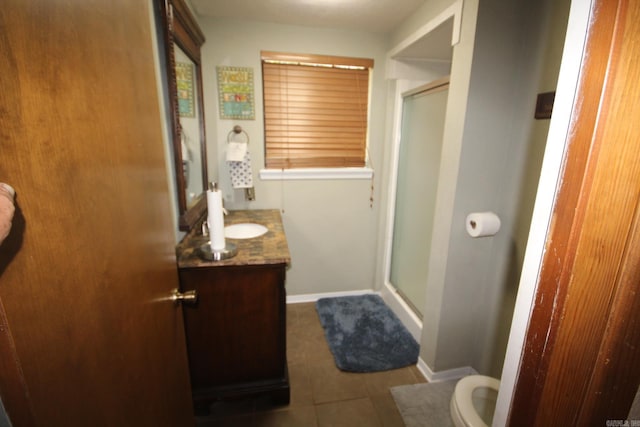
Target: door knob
[[190, 297]]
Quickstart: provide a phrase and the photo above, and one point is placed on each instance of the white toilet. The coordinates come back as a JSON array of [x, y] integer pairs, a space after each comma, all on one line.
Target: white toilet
[[474, 400]]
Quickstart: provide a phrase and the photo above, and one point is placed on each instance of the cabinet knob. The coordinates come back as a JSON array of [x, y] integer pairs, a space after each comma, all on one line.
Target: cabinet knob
[[189, 297]]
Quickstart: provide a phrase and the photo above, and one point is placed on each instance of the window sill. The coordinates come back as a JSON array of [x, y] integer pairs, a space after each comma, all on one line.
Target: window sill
[[315, 174]]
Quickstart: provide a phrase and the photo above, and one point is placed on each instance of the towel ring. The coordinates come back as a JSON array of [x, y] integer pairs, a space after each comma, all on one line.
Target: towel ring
[[237, 129]]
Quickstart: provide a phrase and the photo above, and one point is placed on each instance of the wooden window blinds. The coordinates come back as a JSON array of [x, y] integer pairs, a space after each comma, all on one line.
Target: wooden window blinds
[[315, 110]]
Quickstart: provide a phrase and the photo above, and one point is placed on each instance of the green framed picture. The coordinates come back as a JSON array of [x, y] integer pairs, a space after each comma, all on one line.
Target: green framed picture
[[184, 82], [235, 92]]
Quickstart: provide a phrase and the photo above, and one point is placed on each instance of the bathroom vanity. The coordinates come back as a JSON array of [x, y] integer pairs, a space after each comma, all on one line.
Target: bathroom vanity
[[236, 334]]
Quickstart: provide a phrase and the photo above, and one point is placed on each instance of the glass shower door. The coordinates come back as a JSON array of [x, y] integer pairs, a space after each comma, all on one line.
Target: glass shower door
[[423, 117]]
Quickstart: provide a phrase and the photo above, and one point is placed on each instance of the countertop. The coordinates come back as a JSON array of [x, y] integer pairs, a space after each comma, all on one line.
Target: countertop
[[270, 248]]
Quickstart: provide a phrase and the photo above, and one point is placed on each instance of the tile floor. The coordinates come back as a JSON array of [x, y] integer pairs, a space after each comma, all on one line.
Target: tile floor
[[321, 394]]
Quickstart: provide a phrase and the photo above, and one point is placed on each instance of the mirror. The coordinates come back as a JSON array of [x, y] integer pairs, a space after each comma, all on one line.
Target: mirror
[[189, 126], [182, 39]]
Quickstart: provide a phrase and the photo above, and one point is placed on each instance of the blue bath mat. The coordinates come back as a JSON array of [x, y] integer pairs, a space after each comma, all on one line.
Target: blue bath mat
[[364, 335]]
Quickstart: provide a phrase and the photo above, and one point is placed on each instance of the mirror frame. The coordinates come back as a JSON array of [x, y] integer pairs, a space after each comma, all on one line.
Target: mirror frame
[[181, 28]]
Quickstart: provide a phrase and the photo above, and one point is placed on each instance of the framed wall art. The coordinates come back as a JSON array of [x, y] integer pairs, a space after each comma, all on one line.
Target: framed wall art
[[184, 83], [544, 105], [235, 92]]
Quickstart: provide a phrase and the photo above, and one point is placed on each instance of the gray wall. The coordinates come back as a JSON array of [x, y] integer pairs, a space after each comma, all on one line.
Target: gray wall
[[330, 227], [496, 74], [499, 109], [545, 46]]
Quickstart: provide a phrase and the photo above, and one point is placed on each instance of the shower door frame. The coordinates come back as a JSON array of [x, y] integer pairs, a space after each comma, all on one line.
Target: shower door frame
[[403, 89]]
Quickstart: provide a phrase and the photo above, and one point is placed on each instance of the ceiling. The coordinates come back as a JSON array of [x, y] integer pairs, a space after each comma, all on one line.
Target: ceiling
[[378, 16]]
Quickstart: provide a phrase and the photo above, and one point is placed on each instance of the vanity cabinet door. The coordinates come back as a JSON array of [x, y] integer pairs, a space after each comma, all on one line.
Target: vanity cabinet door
[[236, 332]]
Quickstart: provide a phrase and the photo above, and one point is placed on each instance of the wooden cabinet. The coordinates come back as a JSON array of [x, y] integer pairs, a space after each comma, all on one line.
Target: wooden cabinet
[[236, 334]]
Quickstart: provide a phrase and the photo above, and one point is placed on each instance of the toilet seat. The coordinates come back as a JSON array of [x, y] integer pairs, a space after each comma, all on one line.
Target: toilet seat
[[462, 409]]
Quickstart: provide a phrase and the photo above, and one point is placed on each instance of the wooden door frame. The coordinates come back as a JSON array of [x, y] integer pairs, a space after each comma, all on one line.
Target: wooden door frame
[[583, 339]]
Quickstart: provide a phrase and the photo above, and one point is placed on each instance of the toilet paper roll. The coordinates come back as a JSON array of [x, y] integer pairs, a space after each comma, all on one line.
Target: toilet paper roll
[[481, 224], [215, 219]]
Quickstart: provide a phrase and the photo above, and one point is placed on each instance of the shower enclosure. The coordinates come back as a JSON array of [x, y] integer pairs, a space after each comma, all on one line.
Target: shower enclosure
[[423, 115]]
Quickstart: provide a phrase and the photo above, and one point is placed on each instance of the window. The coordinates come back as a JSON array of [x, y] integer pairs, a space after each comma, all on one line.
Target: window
[[315, 110]]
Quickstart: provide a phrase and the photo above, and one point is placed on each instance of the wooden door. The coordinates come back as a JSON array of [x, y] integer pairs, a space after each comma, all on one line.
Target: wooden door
[[580, 361], [90, 337]]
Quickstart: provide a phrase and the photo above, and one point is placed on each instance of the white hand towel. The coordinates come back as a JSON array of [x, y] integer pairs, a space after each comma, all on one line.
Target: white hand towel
[[236, 151]]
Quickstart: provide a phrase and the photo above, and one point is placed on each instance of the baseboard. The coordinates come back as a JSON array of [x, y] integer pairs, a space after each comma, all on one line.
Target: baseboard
[[403, 311], [448, 375], [295, 299]]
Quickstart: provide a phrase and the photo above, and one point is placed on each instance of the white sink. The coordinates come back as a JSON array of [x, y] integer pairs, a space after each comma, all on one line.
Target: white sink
[[244, 231]]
